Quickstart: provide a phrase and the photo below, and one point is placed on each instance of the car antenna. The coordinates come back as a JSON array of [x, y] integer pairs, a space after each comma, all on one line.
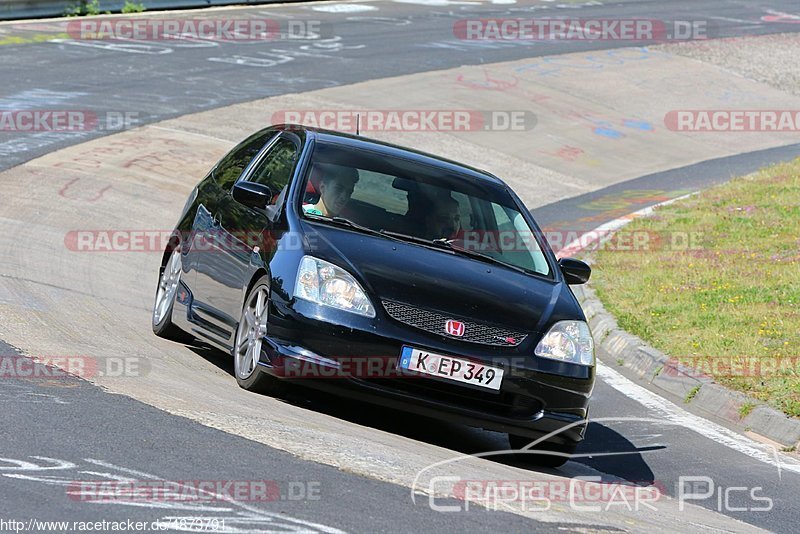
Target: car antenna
[[358, 123]]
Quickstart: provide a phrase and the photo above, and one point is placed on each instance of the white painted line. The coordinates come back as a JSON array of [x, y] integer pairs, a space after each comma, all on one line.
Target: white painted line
[[140, 474], [677, 415], [344, 8]]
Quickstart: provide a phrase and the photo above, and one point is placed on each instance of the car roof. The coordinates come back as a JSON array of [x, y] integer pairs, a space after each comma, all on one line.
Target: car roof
[[357, 141]]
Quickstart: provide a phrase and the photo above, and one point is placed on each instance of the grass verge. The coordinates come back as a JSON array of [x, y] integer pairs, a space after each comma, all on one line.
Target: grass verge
[[714, 282]]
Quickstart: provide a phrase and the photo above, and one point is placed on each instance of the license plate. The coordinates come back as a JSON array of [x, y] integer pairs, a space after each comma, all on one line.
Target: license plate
[[456, 369]]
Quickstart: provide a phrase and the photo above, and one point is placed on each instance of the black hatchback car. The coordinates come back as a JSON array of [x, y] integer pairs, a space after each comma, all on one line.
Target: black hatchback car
[[384, 274]]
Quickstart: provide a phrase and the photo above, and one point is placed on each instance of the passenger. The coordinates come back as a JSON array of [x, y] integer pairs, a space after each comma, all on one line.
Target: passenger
[[335, 185]]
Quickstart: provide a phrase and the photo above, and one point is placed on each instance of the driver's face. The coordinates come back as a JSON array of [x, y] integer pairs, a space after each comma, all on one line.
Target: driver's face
[[335, 193]]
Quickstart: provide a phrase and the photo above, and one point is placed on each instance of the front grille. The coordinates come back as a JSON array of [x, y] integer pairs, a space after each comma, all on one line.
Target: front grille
[[434, 322]]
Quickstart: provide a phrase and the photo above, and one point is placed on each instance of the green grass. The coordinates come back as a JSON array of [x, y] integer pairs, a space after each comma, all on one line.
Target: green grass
[[691, 395], [730, 300], [82, 8], [746, 409], [133, 7]]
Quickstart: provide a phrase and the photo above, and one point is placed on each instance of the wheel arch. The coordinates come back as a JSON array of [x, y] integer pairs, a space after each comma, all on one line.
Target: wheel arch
[[172, 244], [257, 275]]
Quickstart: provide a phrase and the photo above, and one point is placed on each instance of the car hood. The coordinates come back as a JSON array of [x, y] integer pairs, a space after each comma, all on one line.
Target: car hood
[[438, 279]]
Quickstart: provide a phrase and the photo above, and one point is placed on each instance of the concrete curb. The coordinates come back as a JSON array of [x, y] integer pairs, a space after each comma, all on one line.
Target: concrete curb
[[659, 370]]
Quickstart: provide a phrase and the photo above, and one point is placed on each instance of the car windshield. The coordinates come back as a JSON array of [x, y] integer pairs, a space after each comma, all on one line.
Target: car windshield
[[420, 203]]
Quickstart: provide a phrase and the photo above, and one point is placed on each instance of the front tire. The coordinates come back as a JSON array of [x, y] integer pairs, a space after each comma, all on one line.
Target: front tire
[[248, 341], [563, 452], [168, 283]]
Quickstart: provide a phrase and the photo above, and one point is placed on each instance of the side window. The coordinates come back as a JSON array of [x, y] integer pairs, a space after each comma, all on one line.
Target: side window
[[231, 166], [516, 242], [504, 222], [275, 168]]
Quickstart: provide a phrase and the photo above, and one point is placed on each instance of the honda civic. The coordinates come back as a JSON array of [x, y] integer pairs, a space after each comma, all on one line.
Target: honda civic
[[383, 274]]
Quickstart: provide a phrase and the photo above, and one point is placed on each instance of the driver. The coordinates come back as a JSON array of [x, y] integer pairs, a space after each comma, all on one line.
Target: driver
[[335, 185]]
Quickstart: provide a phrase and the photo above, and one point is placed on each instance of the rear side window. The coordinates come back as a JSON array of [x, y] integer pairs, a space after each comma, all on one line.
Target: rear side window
[[231, 166]]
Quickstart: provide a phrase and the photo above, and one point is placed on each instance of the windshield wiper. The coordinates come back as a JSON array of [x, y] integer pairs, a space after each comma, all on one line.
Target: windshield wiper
[[478, 255], [441, 243], [447, 244], [347, 222], [415, 239], [344, 221]]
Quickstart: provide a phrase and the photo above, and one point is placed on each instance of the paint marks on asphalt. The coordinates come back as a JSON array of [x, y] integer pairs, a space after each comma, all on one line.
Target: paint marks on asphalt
[[189, 507]]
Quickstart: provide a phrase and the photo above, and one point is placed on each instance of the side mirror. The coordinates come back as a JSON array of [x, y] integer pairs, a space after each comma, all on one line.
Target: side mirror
[[575, 271], [252, 195]]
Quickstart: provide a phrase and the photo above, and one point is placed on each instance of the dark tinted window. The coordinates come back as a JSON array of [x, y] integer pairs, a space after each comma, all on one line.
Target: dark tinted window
[[231, 166]]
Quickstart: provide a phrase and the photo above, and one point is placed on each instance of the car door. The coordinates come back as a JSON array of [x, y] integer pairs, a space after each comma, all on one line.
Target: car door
[[204, 245], [244, 231]]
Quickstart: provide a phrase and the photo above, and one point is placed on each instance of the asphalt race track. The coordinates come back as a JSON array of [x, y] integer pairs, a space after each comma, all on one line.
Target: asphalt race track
[[402, 38], [64, 429]]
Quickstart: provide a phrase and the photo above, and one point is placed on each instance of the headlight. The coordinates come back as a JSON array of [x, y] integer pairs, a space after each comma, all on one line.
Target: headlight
[[328, 285], [568, 341]]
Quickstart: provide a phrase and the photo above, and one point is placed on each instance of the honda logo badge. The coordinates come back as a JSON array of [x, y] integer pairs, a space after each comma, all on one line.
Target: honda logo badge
[[454, 328]]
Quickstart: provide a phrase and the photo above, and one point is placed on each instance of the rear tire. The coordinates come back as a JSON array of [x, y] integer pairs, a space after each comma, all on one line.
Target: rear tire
[[248, 340], [168, 284], [563, 451]]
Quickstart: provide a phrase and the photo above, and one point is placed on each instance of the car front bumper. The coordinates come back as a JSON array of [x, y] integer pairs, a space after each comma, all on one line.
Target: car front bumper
[[537, 397]]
